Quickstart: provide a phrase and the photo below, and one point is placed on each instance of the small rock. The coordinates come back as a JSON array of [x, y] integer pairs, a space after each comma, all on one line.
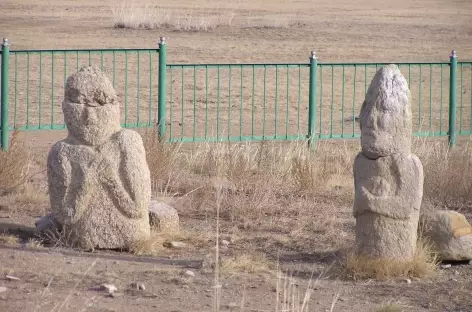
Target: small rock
[[445, 266], [189, 273], [232, 305], [224, 242], [175, 245], [408, 281], [163, 218], [3, 289], [11, 278], [470, 262], [139, 286], [115, 295], [456, 272], [46, 224], [110, 288], [454, 280]]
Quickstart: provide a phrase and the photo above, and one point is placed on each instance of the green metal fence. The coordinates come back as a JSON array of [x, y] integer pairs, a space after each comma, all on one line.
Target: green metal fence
[[230, 102]]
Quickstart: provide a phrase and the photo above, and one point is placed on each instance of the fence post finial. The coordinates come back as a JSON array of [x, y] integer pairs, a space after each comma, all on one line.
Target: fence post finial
[[313, 55], [162, 40], [5, 42], [453, 54]]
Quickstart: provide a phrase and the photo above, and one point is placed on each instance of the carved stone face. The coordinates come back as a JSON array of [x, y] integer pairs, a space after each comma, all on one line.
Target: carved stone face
[[91, 125], [91, 110], [385, 116]]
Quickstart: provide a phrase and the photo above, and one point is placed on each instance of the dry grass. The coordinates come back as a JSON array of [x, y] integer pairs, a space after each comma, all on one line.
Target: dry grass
[[15, 165], [148, 16], [9, 240], [391, 308], [150, 247], [422, 265], [34, 244], [448, 173], [246, 263]]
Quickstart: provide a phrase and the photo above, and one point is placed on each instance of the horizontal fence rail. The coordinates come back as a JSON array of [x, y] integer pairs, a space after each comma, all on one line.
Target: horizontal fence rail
[[230, 102]]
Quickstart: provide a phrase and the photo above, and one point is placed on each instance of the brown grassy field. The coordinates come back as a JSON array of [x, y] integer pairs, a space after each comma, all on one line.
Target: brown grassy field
[[286, 211]]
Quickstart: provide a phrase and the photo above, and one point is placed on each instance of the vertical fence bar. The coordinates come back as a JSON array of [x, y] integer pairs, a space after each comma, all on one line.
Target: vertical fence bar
[[171, 101], [40, 113], [419, 100], [276, 98], [16, 90], [312, 98], [241, 106], [114, 69], [342, 104], [287, 108], [441, 101], [299, 99], [321, 101], [206, 101], [252, 100], [229, 104], [452, 98], [150, 89], [126, 89], [265, 103], [27, 88], [218, 103], [65, 70], [431, 98], [161, 113], [354, 103], [4, 94], [182, 95], [138, 91], [331, 117], [194, 101], [460, 118], [52, 90]]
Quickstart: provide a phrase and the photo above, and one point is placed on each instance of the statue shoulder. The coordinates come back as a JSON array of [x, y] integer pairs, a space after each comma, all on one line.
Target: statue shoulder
[[129, 139]]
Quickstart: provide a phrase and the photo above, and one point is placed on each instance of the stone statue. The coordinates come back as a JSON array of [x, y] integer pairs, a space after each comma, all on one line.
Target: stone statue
[[99, 180], [388, 178]]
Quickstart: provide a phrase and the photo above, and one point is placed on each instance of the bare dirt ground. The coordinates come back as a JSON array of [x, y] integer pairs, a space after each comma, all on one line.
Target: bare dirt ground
[[309, 242]]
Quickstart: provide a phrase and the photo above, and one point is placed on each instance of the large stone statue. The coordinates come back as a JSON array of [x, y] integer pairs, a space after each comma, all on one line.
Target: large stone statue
[[388, 178], [99, 180]]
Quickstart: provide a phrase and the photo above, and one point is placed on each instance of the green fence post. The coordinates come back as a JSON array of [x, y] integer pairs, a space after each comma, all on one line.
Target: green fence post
[[452, 98], [161, 101], [4, 95], [312, 99]]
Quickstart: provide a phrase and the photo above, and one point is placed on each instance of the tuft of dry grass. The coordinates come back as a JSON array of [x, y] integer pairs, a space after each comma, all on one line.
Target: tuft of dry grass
[[149, 16], [34, 244], [162, 160], [149, 247], [9, 240], [15, 165], [422, 265], [391, 308], [246, 263]]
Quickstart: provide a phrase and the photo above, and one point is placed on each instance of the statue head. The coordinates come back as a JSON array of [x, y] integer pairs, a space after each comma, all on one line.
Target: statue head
[[385, 117], [91, 109]]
